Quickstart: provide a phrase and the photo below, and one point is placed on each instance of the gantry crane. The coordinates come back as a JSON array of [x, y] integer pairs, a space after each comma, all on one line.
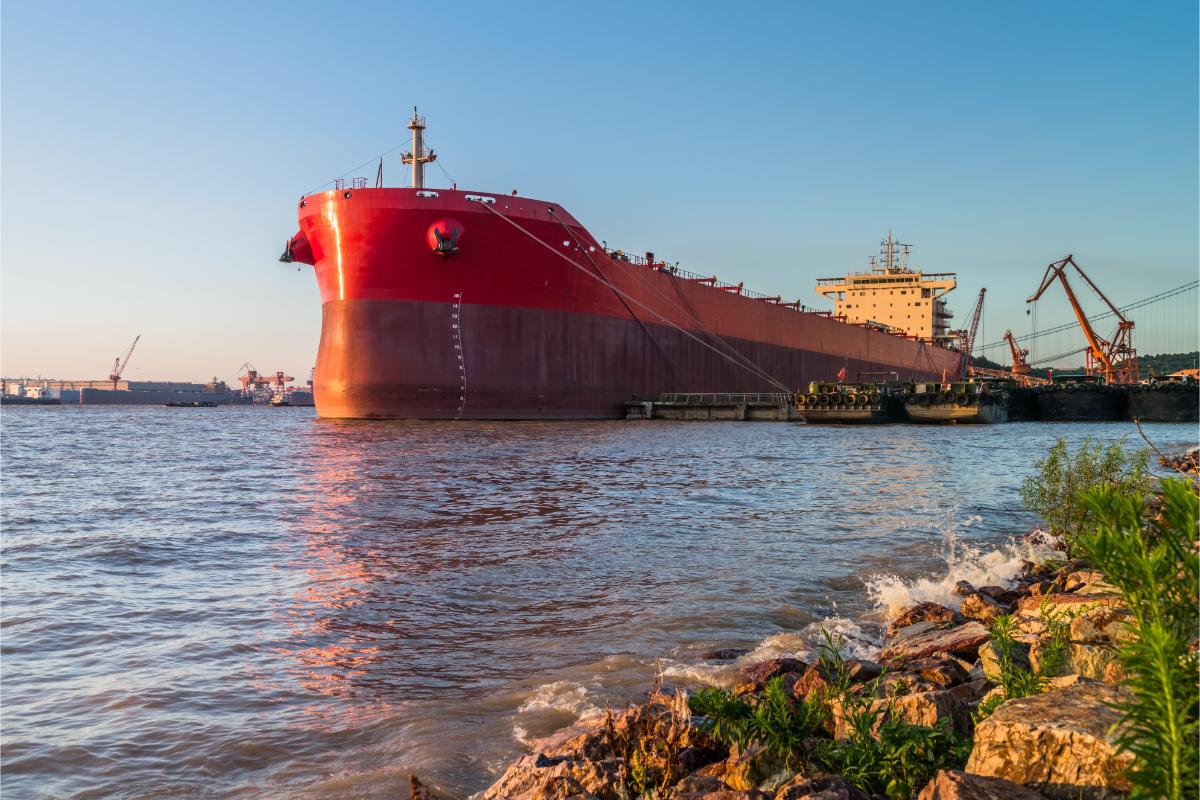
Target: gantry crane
[[1116, 360], [119, 364]]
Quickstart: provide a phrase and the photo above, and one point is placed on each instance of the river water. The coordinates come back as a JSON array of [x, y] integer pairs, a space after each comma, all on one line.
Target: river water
[[254, 603]]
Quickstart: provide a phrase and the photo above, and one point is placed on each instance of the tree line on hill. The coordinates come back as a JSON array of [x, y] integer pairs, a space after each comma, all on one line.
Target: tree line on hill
[[1161, 365]]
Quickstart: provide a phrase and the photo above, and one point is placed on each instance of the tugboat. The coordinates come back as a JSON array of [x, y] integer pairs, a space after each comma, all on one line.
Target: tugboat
[[851, 403], [967, 402]]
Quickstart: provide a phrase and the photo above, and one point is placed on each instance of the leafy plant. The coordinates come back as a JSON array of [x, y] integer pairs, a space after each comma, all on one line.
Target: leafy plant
[[772, 719], [882, 754], [1155, 565], [1056, 489], [1017, 677]]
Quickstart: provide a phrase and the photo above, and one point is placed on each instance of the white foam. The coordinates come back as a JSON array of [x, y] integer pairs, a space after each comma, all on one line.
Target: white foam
[[891, 594], [565, 696]]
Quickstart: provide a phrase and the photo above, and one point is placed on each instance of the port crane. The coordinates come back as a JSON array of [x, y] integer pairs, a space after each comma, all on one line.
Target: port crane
[[966, 338], [1114, 359], [1020, 367], [119, 363]]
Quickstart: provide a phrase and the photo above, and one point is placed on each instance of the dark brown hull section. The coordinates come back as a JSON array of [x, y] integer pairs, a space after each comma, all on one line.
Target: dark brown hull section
[[401, 359]]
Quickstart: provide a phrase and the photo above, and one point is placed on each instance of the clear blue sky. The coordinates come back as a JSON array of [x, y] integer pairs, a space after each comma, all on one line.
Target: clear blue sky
[[152, 153]]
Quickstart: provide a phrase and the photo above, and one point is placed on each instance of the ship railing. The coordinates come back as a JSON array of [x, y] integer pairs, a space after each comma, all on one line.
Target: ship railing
[[723, 399], [708, 280]]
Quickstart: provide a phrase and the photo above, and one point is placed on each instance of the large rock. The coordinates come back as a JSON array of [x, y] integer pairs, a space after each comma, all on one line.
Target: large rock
[[978, 606], [924, 612], [927, 708], [751, 768], [724, 794], [961, 640], [763, 671], [944, 670], [1006, 597], [956, 785], [818, 787], [1059, 743], [538, 777], [1103, 625], [1062, 603], [989, 659]]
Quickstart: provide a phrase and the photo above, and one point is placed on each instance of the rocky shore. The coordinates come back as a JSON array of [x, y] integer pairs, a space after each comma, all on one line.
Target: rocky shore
[[1005, 696]]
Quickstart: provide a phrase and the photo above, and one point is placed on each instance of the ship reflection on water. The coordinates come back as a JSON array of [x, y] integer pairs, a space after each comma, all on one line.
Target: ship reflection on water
[[472, 584]]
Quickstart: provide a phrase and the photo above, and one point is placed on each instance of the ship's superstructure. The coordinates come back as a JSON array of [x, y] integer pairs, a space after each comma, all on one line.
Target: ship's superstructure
[[449, 304], [894, 297]]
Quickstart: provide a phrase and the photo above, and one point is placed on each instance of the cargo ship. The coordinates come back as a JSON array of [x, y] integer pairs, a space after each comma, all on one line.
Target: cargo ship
[[450, 304]]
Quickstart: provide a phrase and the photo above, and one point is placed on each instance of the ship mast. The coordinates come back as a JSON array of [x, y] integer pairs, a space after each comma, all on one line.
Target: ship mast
[[418, 157]]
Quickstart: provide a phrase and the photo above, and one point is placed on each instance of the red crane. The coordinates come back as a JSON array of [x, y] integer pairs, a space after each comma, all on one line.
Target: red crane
[[1116, 360], [119, 364], [1020, 366]]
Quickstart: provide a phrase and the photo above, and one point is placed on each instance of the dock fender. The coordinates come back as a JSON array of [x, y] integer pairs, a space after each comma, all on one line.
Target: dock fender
[[297, 249]]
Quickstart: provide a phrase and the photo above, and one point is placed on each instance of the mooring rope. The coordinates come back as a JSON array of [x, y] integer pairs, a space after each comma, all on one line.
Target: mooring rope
[[632, 299]]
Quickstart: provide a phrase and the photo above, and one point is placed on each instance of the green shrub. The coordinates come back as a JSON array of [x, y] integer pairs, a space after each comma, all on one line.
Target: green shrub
[[1018, 679], [882, 755], [1056, 489], [1153, 561], [773, 719]]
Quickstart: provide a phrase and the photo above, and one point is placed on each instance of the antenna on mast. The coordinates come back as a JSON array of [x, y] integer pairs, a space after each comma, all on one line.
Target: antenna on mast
[[418, 157]]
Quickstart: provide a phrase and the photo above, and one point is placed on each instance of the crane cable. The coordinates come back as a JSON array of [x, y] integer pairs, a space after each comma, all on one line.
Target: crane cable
[[631, 299]]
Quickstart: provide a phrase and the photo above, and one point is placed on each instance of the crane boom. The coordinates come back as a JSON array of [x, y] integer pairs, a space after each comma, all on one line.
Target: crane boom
[[1117, 360], [119, 364], [968, 341], [1019, 365]]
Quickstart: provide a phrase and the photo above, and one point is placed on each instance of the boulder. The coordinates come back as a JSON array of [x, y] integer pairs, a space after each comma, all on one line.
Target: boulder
[[972, 692], [960, 640], [978, 606], [1080, 578], [942, 669], [724, 794], [1103, 625], [814, 680], [924, 612], [724, 654], [763, 671], [698, 784], [956, 785], [1099, 662], [963, 588], [1059, 743], [1007, 597], [861, 670], [989, 659], [748, 769], [899, 683], [927, 708], [818, 787], [1067, 604], [538, 777]]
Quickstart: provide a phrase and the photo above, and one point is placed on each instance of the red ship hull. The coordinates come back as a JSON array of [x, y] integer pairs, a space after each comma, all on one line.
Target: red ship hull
[[530, 319]]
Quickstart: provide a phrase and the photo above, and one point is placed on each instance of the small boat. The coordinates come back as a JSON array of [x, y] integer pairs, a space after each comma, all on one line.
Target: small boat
[[966, 402], [851, 403], [191, 404]]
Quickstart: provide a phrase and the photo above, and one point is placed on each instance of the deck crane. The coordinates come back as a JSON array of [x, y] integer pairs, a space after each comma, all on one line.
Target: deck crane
[[967, 337], [1115, 359], [119, 364]]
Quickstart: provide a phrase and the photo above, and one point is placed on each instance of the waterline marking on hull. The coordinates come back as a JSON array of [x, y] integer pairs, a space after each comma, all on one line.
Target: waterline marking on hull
[[456, 337]]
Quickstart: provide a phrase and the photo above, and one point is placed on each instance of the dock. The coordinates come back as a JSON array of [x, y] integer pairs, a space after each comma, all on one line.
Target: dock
[[766, 407]]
